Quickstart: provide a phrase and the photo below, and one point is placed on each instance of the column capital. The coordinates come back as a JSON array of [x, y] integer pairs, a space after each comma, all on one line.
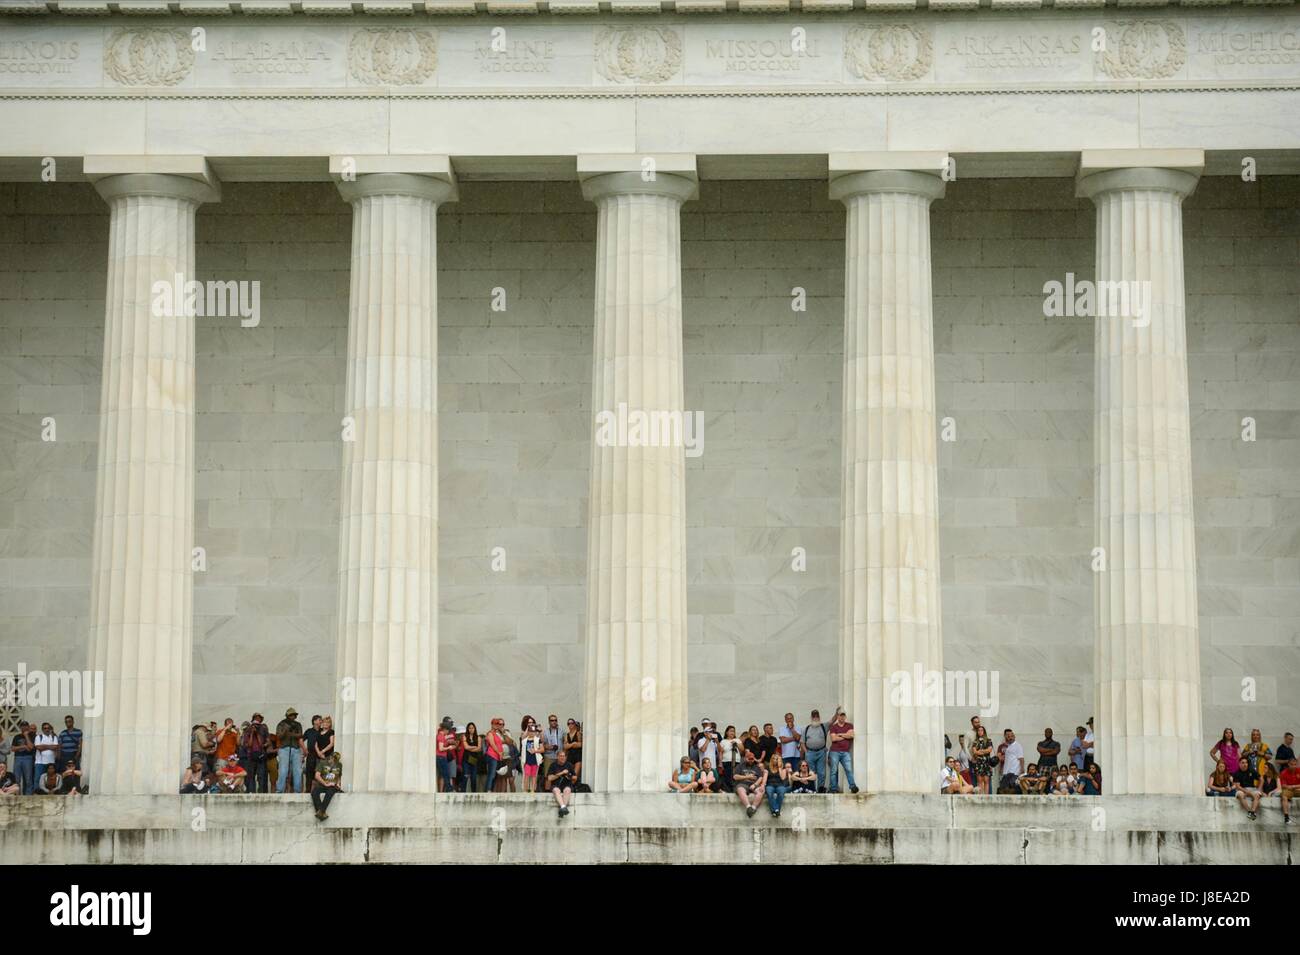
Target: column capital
[[915, 173], [645, 174], [426, 177], [1156, 170], [174, 177]]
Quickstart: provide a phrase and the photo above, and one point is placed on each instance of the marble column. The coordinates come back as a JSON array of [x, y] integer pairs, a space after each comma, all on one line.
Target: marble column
[[387, 655], [141, 581], [890, 626], [1147, 660], [635, 705]]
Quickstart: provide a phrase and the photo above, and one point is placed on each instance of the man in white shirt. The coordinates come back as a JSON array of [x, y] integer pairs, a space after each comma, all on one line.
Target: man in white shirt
[[950, 780], [47, 749], [706, 743], [1013, 758]]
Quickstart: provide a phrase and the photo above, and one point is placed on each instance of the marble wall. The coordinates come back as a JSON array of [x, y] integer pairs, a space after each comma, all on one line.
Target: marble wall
[[1015, 485]]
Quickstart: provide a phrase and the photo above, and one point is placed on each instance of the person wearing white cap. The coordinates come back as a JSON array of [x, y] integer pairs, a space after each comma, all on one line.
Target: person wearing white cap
[[706, 744]]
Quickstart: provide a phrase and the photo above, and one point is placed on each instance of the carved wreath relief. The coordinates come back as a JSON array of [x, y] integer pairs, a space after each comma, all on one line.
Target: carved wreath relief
[[148, 57], [392, 56], [1144, 50], [890, 51], [638, 54]]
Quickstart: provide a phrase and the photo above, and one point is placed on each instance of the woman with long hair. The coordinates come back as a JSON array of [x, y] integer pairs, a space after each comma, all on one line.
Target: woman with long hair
[[778, 783], [1227, 750], [471, 748], [1220, 783], [728, 756], [982, 759], [803, 779]]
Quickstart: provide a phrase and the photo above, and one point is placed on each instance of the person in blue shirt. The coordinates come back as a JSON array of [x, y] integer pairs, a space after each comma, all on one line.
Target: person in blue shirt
[[69, 746]]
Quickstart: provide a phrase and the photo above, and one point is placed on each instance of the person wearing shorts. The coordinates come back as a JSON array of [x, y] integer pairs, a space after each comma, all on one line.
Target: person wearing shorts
[[1289, 787]]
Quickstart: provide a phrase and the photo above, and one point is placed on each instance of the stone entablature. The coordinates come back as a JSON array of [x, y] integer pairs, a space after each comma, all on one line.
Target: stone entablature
[[326, 8], [1081, 50]]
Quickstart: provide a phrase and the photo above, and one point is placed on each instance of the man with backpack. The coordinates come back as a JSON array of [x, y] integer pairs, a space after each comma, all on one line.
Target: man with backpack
[[816, 738]]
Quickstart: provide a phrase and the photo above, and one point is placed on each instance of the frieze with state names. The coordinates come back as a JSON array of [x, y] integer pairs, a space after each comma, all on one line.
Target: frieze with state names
[[877, 53]]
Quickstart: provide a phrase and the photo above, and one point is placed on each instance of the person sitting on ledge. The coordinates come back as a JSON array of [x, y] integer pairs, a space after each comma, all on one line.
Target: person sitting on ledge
[[951, 782], [8, 782], [196, 781], [327, 784], [707, 779], [232, 777], [804, 780], [683, 781], [1090, 780], [1245, 785], [778, 783], [1220, 783], [52, 784], [1032, 782], [560, 782], [1289, 786], [750, 777]]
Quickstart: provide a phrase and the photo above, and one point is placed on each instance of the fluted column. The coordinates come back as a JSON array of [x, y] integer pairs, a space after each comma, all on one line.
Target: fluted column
[[387, 653], [141, 581], [635, 723], [889, 529], [1147, 661]]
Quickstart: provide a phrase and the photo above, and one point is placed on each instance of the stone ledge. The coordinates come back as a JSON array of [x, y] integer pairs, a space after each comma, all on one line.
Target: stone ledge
[[892, 811], [560, 843]]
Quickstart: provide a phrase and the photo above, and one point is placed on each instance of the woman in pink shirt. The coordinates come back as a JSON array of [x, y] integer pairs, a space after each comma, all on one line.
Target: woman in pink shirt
[[1227, 750]]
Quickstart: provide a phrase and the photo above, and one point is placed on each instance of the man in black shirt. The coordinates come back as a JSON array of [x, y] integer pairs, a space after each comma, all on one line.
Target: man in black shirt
[[1246, 785], [767, 744], [23, 750], [560, 781], [1048, 750], [1286, 752], [749, 778]]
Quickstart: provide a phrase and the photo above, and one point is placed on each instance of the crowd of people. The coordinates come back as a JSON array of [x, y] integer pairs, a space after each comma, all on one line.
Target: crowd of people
[[43, 764], [1253, 773], [250, 758], [753, 766]]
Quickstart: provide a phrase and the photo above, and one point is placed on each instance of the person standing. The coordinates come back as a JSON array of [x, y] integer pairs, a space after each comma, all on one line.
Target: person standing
[[256, 744], [471, 747], [1227, 750], [768, 745], [69, 745], [530, 752], [982, 759], [310, 734], [494, 745], [706, 744], [1255, 752], [327, 782], [1048, 750], [47, 749], [289, 734], [729, 757], [1013, 761], [445, 750], [573, 746], [789, 739], [227, 739], [1286, 751], [816, 739], [23, 750], [552, 743], [1077, 746], [841, 737]]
